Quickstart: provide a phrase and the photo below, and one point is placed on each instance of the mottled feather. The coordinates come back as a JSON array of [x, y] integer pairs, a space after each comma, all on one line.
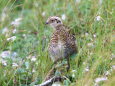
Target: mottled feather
[[63, 42]]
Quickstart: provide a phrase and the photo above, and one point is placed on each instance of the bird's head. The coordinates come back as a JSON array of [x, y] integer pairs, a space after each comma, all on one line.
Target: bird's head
[[54, 21]]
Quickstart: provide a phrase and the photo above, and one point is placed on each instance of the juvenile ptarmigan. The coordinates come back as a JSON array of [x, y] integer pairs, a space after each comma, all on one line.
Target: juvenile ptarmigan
[[62, 44]]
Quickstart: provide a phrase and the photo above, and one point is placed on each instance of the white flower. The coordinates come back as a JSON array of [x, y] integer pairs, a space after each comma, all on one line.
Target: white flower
[[63, 16], [86, 34], [84, 63], [14, 54], [94, 35], [43, 13], [98, 18], [78, 1], [112, 56], [11, 38], [4, 62], [73, 73], [56, 84], [14, 31], [113, 67], [87, 69], [16, 22], [107, 73], [33, 58], [97, 80], [73, 70], [5, 54], [33, 70], [14, 65], [8, 54], [24, 35], [5, 30], [90, 44]]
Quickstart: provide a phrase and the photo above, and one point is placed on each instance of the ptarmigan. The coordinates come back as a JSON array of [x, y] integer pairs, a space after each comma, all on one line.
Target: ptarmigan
[[62, 44]]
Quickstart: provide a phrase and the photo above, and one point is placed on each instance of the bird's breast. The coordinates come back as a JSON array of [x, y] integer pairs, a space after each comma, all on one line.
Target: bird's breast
[[56, 50]]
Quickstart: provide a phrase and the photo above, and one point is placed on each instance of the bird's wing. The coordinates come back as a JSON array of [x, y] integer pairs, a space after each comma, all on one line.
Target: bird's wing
[[71, 34]]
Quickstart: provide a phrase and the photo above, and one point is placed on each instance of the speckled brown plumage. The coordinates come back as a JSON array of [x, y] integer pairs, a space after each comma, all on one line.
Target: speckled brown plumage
[[62, 43]]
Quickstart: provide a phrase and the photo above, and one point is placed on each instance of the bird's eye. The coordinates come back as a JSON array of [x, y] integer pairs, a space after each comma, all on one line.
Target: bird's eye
[[58, 21], [52, 20]]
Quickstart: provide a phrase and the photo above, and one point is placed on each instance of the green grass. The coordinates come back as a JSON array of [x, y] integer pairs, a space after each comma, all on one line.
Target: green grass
[[94, 52]]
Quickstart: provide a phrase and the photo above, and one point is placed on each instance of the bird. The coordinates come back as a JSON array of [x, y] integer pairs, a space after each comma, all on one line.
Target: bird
[[62, 44]]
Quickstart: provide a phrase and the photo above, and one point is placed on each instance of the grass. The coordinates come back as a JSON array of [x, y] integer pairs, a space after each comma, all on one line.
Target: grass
[[95, 40]]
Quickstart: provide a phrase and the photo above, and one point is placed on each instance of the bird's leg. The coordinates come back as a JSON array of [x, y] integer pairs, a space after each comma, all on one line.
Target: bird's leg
[[68, 64], [60, 59]]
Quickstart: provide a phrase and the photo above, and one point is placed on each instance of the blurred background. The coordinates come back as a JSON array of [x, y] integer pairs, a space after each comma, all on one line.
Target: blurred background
[[24, 40]]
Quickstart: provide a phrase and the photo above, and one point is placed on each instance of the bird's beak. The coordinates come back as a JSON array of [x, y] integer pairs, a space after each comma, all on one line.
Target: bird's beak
[[46, 23]]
